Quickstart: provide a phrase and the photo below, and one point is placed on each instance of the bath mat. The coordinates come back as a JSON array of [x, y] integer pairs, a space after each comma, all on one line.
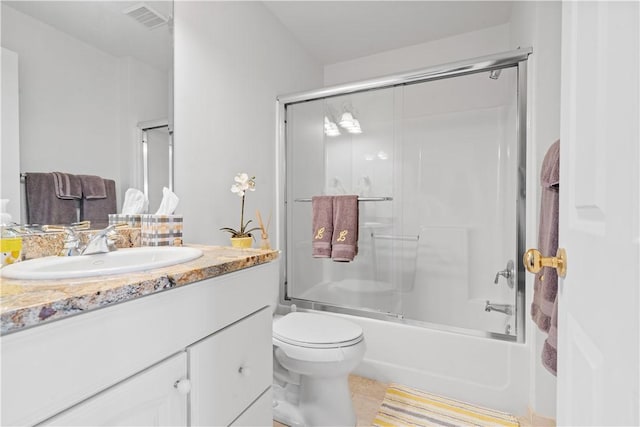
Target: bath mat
[[404, 406]]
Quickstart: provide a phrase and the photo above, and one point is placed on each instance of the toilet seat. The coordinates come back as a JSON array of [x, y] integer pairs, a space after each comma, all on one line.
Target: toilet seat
[[312, 330]]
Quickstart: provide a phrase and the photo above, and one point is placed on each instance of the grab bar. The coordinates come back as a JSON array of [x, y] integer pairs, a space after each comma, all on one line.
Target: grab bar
[[392, 237], [360, 199]]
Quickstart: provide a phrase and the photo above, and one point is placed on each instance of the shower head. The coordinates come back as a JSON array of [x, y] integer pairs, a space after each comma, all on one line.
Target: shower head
[[494, 74]]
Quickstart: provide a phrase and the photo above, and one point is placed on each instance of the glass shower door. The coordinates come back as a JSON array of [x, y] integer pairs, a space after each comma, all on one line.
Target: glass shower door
[[435, 165]]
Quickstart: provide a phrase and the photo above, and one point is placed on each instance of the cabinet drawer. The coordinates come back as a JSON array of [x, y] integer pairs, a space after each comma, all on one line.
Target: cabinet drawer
[[146, 399], [230, 369], [260, 413]]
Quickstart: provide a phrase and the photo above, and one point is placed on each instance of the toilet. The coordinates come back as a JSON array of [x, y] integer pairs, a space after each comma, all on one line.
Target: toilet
[[313, 357]]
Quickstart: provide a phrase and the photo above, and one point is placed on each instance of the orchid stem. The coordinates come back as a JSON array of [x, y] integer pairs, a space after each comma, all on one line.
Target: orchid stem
[[242, 217]]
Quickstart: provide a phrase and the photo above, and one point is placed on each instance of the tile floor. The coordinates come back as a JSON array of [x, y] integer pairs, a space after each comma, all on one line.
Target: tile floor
[[367, 395]]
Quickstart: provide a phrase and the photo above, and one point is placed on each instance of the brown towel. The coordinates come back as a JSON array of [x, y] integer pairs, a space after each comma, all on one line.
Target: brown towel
[[322, 218], [344, 245], [97, 210], [43, 205], [67, 186], [550, 348], [545, 289], [92, 187]]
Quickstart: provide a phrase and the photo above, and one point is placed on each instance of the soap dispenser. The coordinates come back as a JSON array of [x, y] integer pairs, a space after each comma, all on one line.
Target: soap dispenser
[[10, 242]]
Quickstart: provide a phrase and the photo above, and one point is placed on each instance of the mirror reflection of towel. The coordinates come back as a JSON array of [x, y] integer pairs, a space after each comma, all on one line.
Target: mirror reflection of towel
[[97, 210], [93, 187], [43, 205], [67, 186]]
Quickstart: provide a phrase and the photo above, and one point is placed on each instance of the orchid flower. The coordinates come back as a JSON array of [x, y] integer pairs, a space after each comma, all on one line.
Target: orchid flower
[[241, 185]]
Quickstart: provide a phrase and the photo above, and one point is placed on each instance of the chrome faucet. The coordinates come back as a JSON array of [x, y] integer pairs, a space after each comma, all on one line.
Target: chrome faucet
[[71, 245], [101, 242], [507, 273], [501, 308]]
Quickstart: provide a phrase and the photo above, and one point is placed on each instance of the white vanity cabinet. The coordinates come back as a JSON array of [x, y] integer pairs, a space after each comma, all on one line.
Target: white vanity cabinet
[[238, 357], [150, 398], [119, 365]]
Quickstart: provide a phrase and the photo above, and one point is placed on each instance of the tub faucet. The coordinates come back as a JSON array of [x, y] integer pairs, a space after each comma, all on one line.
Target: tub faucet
[[101, 242], [507, 273], [501, 308]]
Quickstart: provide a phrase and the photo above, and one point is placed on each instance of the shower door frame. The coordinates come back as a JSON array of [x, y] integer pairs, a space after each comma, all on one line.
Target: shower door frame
[[515, 58]]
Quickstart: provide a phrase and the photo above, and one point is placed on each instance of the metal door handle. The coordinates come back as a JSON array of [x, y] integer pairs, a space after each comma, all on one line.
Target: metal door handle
[[534, 261]]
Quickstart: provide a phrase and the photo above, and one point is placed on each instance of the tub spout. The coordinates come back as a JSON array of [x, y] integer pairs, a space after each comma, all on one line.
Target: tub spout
[[501, 308]]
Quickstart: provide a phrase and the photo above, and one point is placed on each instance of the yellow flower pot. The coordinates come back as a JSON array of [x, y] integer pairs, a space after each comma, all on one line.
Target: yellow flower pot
[[241, 242]]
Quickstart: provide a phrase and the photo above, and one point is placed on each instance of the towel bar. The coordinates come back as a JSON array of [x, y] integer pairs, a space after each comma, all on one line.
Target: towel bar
[[360, 199], [394, 237]]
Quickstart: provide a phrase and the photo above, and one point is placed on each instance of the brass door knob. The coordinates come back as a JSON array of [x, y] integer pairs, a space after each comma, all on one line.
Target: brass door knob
[[534, 261]]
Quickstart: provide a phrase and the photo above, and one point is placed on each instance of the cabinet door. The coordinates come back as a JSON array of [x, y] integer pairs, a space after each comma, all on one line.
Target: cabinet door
[[150, 398], [230, 369], [260, 413]]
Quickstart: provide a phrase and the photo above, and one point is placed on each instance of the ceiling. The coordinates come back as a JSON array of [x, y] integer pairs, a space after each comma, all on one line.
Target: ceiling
[[335, 31], [331, 31], [104, 25]]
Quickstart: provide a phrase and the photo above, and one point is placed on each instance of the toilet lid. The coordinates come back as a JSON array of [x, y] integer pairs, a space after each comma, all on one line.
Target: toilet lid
[[316, 330]]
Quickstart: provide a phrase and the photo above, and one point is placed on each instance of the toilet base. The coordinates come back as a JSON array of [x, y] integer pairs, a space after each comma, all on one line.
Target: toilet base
[[326, 401], [283, 411]]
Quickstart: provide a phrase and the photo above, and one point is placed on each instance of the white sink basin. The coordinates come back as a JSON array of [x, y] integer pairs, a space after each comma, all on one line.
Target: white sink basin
[[120, 261]]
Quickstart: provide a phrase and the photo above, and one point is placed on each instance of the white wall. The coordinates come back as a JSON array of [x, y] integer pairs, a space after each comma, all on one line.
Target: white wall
[[68, 99], [463, 46], [538, 24], [144, 96], [77, 113], [231, 61]]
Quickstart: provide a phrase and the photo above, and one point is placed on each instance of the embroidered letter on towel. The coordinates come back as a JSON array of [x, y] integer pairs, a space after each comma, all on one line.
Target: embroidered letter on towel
[[345, 228], [322, 212]]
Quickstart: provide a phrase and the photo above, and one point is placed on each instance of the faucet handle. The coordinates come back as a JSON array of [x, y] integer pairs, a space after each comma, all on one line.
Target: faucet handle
[[71, 245], [508, 273]]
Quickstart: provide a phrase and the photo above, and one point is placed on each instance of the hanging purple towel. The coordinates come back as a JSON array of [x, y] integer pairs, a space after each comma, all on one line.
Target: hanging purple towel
[[322, 219], [43, 204], [344, 245], [93, 187], [545, 289], [97, 210], [67, 186]]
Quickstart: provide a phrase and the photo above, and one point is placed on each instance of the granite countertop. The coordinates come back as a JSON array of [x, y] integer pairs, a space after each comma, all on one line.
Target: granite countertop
[[26, 303]]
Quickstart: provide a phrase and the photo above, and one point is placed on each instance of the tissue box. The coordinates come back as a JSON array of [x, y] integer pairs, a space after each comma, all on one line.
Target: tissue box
[[161, 230], [132, 220]]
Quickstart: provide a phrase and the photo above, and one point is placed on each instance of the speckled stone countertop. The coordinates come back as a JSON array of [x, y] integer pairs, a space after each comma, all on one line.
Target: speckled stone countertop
[[26, 303]]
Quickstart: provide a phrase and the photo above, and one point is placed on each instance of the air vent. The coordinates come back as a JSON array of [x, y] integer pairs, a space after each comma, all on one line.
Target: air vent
[[145, 15]]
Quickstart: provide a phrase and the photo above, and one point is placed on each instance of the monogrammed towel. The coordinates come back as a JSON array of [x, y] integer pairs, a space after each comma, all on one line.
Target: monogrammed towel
[[322, 219], [344, 245]]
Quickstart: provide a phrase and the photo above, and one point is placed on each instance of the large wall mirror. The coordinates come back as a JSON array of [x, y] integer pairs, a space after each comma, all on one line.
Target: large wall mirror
[[78, 79]]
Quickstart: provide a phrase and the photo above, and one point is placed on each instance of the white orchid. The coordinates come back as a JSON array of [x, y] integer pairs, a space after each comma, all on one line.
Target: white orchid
[[242, 184]]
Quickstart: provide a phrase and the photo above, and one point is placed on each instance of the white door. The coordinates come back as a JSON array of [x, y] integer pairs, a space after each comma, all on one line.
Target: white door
[[598, 343], [151, 398]]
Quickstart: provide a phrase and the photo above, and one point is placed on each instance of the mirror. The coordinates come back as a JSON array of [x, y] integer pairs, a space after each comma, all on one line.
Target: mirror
[[88, 73]]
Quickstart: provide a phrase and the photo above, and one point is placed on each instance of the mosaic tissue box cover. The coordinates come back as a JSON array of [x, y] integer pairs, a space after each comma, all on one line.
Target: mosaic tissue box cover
[[161, 230]]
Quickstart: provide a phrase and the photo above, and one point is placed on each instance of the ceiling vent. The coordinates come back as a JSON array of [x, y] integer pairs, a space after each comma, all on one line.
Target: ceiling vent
[[145, 15]]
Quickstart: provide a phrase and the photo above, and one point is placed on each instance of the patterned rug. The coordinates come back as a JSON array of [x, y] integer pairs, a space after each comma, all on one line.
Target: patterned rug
[[404, 406]]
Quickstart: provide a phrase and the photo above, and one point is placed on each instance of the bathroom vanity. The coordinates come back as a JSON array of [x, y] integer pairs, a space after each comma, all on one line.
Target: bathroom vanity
[[188, 344]]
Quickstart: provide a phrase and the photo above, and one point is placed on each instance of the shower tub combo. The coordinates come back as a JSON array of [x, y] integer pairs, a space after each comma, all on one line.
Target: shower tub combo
[[437, 158]]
